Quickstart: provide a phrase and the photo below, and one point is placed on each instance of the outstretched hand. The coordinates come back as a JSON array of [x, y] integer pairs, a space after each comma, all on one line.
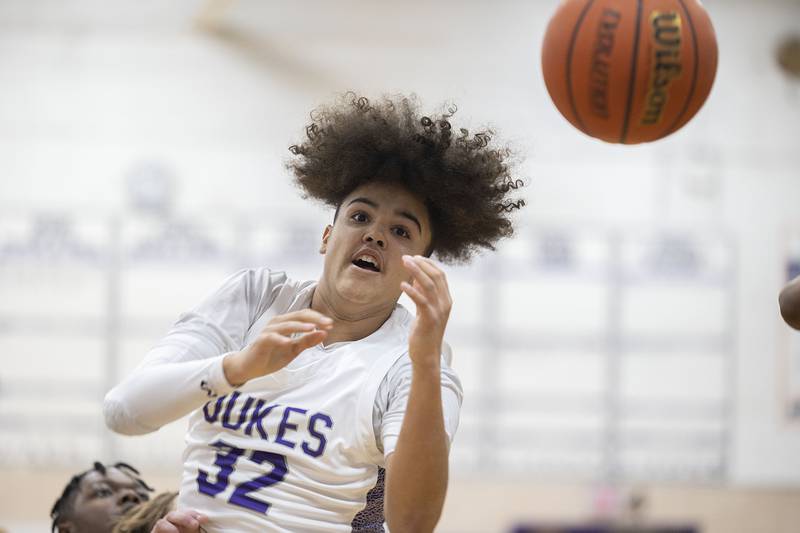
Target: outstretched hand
[[430, 293]]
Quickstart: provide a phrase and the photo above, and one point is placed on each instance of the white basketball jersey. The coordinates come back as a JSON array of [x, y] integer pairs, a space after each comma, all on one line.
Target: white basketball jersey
[[295, 451]]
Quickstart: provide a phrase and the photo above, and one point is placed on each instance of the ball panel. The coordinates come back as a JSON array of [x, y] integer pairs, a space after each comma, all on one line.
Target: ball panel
[[601, 71], [666, 74], [706, 54], [689, 34], [556, 49], [634, 73]]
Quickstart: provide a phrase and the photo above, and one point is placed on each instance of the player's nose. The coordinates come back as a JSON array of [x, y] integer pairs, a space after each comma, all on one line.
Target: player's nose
[[372, 236], [129, 496]]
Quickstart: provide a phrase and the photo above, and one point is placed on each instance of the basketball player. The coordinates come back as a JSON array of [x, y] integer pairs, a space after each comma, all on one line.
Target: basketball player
[[95, 500], [789, 301], [114, 499], [305, 395]]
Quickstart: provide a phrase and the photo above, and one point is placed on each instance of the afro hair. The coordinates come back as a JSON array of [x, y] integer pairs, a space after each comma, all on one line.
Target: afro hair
[[464, 182]]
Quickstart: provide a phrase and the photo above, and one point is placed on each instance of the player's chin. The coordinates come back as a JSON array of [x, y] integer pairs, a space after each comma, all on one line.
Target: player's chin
[[361, 291]]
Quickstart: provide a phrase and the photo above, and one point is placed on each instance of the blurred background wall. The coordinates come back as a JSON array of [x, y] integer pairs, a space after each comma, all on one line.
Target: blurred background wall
[[623, 356]]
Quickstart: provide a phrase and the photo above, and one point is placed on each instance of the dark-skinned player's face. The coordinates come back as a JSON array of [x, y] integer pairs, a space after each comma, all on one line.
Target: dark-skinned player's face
[[376, 225], [102, 499]]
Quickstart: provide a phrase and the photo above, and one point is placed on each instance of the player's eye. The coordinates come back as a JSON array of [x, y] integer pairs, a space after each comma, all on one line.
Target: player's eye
[[402, 232], [102, 492], [359, 216]]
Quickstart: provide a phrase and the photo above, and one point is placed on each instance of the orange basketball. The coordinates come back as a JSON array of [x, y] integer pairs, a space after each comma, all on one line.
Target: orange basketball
[[629, 71]]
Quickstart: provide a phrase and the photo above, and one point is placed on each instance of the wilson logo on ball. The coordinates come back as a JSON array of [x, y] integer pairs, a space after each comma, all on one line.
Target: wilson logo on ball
[[666, 63]]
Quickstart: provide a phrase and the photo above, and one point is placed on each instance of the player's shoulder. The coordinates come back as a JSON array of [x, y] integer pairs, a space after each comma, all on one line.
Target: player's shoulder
[[266, 287], [259, 287], [260, 281], [260, 276]]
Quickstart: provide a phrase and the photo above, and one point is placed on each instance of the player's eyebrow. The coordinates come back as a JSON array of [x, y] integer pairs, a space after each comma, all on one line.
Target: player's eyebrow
[[402, 213]]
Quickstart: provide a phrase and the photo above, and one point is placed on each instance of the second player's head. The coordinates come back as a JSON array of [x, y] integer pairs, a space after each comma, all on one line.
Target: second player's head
[[401, 183], [95, 500]]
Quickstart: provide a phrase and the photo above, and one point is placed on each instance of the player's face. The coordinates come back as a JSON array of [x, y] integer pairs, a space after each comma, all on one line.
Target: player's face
[[377, 224], [103, 499]]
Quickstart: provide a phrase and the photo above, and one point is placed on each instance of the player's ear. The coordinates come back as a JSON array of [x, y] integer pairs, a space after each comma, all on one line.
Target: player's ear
[[323, 247]]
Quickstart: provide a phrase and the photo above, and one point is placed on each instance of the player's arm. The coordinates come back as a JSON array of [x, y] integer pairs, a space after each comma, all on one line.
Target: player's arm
[[202, 356], [789, 301], [184, 369], [416, 473], [161, 393]]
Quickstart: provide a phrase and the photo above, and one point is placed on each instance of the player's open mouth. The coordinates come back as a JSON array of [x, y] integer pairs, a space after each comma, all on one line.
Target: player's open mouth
[[367, 263]]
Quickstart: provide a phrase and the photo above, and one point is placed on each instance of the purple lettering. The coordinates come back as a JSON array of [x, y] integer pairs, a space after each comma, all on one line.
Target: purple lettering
[[211, 418], [226, 418], [316, 434], [285, 425], [257, 417]]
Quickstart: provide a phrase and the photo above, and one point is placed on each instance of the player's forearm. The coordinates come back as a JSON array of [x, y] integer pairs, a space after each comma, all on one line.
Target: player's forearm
[[789, 301], [417, 481], [157, 395]]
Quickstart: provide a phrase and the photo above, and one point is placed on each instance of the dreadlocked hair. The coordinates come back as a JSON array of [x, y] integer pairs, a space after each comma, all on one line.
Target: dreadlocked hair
[[464, 181], [143, 517], [64, 504]]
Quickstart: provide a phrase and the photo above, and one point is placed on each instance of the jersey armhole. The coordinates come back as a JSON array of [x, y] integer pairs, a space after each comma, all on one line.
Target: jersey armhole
[[366, 403]]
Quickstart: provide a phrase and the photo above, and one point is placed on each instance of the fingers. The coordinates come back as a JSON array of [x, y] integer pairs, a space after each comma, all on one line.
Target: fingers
[[422, 276], [416, 296], [305, 315], [308, 340], [313, 325], [294, 326], [162, 526], [433, 270], [312, 332], [181, 521], [431, 282]]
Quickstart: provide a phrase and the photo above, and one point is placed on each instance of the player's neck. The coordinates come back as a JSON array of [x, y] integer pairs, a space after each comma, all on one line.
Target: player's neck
[[348, 324]]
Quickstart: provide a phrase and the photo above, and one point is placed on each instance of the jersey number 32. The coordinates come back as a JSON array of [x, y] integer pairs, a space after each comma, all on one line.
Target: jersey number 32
[[226, 461]]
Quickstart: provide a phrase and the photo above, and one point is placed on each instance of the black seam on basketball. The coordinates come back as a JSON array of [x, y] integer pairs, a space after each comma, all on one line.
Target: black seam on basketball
[[571, 48], [632, 73], [673, 126]]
